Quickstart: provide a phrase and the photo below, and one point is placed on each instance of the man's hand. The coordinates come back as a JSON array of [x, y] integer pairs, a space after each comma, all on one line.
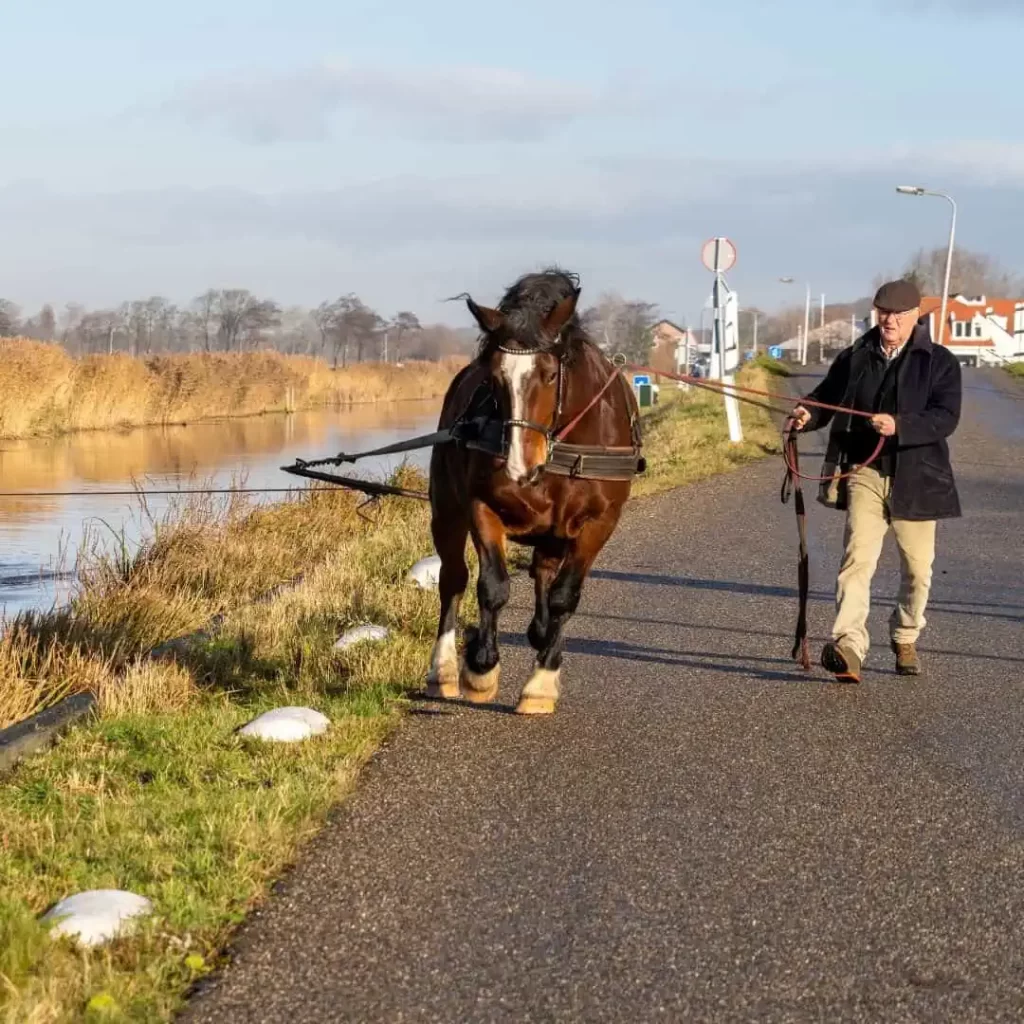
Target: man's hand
[[800, 417], [884, 424]]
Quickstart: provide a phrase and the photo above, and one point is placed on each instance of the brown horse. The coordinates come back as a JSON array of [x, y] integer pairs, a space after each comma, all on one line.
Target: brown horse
[[565, 447]]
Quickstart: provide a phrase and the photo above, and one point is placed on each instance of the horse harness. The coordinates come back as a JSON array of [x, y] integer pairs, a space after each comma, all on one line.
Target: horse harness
[[481, 427], [579, 461]]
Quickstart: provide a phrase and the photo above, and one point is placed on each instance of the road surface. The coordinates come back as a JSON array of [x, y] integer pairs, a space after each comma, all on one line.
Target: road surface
[[702, 832]]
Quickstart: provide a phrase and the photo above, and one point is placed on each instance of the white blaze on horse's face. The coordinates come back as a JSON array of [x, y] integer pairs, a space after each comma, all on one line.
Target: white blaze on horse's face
[[517, 370]]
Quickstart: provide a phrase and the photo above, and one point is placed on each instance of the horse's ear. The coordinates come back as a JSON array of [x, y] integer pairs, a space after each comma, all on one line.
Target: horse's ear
[[488, 319], [561, 315]]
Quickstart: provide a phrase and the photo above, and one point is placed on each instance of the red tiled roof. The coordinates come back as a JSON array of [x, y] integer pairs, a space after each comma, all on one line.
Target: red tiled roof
[[1005, 308]]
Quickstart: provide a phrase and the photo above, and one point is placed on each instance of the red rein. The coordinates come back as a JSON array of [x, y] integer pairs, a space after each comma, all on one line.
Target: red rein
[[720, 388]]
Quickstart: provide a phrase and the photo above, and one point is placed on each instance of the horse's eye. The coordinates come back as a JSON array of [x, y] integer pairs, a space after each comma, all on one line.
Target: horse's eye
[[548, 377]]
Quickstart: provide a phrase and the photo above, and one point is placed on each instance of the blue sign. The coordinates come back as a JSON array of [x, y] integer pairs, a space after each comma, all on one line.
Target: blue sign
[[641, 378], [775, 351]]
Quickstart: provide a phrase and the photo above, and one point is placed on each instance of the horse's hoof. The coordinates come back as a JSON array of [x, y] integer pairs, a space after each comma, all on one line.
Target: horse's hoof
[[481, 689], [536, 706], [438, 690], [540, 694]]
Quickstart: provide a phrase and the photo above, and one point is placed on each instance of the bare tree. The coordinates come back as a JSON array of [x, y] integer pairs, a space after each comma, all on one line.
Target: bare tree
[[326, 316], [69, 321], [47, 322], [204, 314], [9, 313], [971, 273], [402, 324], [622, 325]]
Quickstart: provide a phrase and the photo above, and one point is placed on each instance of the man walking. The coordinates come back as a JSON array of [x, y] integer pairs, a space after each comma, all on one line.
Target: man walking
[[912, 388]]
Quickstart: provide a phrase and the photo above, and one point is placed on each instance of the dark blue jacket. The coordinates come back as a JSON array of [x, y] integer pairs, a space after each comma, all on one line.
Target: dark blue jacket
[[928, 398]]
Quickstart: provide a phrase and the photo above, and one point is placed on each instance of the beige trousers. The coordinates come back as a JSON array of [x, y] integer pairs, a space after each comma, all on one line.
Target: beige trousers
[[868, 519]]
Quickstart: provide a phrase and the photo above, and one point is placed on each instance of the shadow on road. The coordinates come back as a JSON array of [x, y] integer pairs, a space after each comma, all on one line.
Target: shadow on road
[[764, 590]]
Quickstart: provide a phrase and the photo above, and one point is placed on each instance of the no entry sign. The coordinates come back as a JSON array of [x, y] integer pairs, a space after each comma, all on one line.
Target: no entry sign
[[718, 255]]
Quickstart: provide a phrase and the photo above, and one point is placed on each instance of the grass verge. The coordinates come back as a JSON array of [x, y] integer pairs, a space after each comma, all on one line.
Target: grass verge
[[686, 437], [44, 391], [1015, 369], [159, 795]]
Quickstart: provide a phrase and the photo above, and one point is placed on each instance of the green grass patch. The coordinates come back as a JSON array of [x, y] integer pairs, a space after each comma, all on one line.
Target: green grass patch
[[160, 795], [1015, 369], [774, 367], [686, 437]]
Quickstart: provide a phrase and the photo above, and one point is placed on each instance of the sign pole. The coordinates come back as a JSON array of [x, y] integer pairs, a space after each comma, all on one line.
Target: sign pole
[[719, 255]]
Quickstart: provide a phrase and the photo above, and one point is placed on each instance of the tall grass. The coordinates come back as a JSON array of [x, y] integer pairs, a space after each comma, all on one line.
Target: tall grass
[[204, 557], [45, 391]]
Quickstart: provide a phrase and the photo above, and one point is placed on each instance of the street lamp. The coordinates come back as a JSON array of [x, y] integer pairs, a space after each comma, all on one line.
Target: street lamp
[[807, 319], [916, 190]]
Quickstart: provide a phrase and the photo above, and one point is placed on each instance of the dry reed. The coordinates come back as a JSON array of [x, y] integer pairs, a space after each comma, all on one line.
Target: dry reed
[[45, 391]]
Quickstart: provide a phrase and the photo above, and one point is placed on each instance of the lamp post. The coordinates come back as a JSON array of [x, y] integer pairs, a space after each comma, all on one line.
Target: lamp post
[[807, 319], [916, 190]]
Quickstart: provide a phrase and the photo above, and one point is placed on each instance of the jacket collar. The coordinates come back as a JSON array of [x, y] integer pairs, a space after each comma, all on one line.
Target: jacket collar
[[919, 341]]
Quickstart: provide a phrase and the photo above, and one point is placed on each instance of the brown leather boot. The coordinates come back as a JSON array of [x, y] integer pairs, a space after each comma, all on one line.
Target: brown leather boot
[[907, 661], [838, 659]]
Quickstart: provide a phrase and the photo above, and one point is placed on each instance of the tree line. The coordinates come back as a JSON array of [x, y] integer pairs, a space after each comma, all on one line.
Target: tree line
[[346, 330], [235, 320], [342, 331]]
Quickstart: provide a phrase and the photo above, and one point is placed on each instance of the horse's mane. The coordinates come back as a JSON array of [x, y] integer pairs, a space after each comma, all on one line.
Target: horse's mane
[[527, 302]]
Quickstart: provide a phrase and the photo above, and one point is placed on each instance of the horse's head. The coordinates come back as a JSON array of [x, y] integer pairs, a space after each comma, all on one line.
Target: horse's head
[[524, 352]]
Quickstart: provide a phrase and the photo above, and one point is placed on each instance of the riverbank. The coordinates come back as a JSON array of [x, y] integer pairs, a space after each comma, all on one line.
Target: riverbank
[[45, 392], [160, 795]]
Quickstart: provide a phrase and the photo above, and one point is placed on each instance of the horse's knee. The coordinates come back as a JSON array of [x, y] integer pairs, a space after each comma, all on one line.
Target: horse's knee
[[564, 596], [494, 588], [454, 576]]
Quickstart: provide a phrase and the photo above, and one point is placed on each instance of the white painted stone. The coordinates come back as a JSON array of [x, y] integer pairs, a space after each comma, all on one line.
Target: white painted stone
[[286, 725], [426, 572], [96, 915], [361, 634]]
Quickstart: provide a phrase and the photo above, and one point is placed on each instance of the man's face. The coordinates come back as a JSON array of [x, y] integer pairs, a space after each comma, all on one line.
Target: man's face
[[896, 328]]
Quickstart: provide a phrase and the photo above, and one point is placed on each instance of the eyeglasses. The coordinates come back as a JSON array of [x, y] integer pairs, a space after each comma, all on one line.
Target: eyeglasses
[[885, 314]]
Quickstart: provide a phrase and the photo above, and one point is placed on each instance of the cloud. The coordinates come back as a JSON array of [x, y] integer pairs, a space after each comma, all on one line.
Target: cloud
[[632, 223], [470, 103]]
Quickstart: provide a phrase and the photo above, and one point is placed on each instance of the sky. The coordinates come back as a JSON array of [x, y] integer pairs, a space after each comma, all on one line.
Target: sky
[[410, 152]]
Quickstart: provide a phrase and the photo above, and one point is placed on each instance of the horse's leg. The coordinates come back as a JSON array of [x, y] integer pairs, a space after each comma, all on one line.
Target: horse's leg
[[548, 554], [481, 672], [541, 692], [450, 530]]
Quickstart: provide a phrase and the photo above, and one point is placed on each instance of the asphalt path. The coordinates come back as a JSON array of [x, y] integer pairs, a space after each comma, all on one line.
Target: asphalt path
[[702, 832]]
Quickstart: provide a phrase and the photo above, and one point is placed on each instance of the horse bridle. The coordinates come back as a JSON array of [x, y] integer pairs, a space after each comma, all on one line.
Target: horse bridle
[[549, 433], [580, 460]]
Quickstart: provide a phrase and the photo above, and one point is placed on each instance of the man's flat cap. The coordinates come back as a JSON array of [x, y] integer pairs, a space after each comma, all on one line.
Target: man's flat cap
[[897, 297]]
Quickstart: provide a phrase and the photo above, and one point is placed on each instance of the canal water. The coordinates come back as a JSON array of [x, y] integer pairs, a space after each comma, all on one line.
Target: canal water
[[40, 535]]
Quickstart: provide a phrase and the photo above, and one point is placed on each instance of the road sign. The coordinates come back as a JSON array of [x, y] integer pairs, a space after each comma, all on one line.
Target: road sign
[[775, 351], [641, 378], [718, 255]]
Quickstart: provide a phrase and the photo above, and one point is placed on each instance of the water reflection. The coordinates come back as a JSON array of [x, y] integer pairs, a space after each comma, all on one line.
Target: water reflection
[[39, 534]]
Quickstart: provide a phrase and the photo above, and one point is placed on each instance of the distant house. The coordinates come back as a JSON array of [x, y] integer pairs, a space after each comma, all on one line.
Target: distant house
[[979, 331], [670, 346], [836, 334]]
